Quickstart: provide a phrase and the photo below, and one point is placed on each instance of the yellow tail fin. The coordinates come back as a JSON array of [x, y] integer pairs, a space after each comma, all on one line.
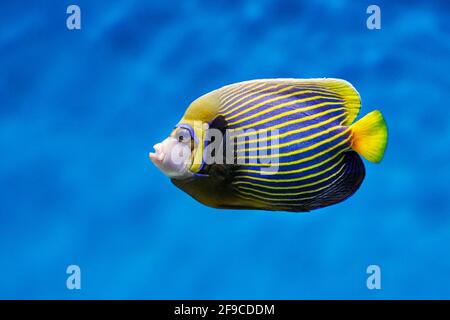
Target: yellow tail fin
[[370, 136]]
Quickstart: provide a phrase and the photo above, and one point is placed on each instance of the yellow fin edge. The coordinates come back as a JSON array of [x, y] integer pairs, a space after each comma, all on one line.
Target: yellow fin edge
[[352, 100]]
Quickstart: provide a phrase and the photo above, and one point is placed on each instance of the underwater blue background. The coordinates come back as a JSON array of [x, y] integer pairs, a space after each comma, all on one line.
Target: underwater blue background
[[80, 110]]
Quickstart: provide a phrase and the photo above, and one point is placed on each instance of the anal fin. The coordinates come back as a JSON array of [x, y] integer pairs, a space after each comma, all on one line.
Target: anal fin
[[344, 186]]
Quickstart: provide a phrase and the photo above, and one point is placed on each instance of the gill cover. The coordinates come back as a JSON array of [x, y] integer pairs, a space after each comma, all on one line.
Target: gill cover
[[197, 130]]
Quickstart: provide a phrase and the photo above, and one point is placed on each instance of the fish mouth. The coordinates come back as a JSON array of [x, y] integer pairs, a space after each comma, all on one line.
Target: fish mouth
[[157, 157]]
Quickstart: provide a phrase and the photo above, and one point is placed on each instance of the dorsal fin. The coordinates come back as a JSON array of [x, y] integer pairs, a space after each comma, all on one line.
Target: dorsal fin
[[346, 91], [341, 88]]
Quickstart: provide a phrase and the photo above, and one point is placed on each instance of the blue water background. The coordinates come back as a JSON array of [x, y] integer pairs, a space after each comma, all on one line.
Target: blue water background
[[80, 110]]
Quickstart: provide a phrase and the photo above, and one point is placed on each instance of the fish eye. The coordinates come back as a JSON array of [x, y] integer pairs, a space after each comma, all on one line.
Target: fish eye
[[183, 135]]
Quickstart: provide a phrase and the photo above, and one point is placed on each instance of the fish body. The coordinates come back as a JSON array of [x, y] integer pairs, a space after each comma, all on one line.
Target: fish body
[[295, 146]]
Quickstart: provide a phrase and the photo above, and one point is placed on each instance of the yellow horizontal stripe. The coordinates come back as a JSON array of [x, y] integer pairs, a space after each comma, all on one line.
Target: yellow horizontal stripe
[[288, 113], [288, 194], [280, 164], [240, 182], [312, 175], [288, 133], [295, 121], [301, 150], [277, 98], [229, 89], [228, 109], [247, 93], [235, 92], [239, 90], [292, 193], [273, 199], [282, 105], [319, 90], [270, 204], [296, 170], [289, 143]]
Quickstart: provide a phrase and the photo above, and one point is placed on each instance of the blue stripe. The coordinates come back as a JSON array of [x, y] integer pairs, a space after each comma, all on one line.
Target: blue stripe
[[291, 175], [300, 185], [295, 126], [250, 94], [284, 109], [295, 147], [289, 139], [299, 94]]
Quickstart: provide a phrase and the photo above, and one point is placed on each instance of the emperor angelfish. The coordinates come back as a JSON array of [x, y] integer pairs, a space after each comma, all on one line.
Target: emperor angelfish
[[286, 144]]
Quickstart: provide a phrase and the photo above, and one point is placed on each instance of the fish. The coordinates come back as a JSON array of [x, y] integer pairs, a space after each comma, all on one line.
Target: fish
[[273, 144]]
